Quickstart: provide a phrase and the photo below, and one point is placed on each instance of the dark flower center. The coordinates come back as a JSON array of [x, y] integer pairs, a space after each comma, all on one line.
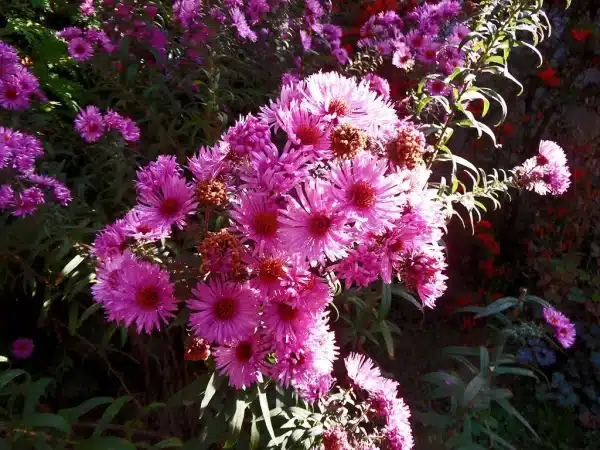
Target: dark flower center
[[270, 270], [225, 308], [79, 49], [93, 127], [541, 160], [287, 312], [339, 107], [169, 207], [143, 229], [243, 351], [319, 224], [265, 223], [147, 298], [362, 195], [11, 93], [308, 134], [430, 53]]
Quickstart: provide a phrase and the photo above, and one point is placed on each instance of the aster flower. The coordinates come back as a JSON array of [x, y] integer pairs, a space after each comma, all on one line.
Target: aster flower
[[27, 201], [338, 99], [421, 270], [362, 371], [402, 57], [22, 348], [312, 227], [86, 7], [150, 178], [80, 49], [137, 227], [315, 387], [305, 130], [269, 272], [381, 31], [259, 220], [70, 33], [248, 135], [106, 289], [407, 146], [448, 10], [243, 361], [437, 87], [286, 320], [402, 236], [335, 439], [223, 311], [209, 162], [378, 85], [7, 196], [12, 96], [241, 25], [90, 124], [564, 330], [168, 204], [144, 297], [365, 193], [111, 241], [187, 12], [360, 267], [290, 92], [428, 52], [124, 125], [545, 173]]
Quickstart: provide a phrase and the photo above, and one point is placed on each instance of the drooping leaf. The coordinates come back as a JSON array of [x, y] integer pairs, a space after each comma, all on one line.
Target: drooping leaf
[[109, 414]]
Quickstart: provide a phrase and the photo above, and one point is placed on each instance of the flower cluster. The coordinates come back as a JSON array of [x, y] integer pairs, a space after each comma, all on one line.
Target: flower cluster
[[316, 189], [430, 35], [536, 352], [91, 125], [83, 44], [547, 172], [564, 330], [22, 190], [386, 412], [18, 86]]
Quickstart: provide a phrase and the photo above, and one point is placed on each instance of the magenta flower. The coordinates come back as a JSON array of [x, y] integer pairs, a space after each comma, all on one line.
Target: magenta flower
[[259, 220], [362, 371], [269, 272], [90, 124], [7, 196], [12, 95], [111, 241], [27, 201], [312, 227], [125, 126], [223, 311], [167, 204], [108, 277], [545, 173], [305, 131], [243, 361], [240, 24], [136, 225], [564, 330], [365, 193], [422, 270], [286, 320], [80, 49], [361, 267], [378, 85], [248, 135], [144, 296], [209, 162], [22, 348]]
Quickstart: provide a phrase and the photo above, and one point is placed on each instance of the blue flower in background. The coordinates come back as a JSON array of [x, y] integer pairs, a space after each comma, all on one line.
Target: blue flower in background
[[595, 359], [544, 356], [525, 355]]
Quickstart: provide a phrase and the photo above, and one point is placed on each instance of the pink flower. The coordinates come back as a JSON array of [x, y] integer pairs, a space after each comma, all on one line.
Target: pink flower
[[362, 371], [421, 270], [248, 135], [144, 296], [312, 227], [80, 49], [167, 204], [259, 220], [545, 173], [269, 272], [564, 330], [12, 95], [223, 311], [305, 130], [360, 267], [22, 348], [378, 85], [111, 241], [27, 201], [365, 193], [287, 320], [243, 361], [90, 124], [209, 162], [137, 226], [107, 276]]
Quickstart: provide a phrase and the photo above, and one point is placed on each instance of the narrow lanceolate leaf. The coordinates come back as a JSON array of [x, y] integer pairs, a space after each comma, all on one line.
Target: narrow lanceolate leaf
[[9, 375], [472, 389], [504, 403], [386, 300], [235, 424], [484, 360], [73, 414], [109, 414], [264, 408], [105, 443], [254, 434], [498, 306], [167, 443], [43, 420], [211, 388], [35, 392]]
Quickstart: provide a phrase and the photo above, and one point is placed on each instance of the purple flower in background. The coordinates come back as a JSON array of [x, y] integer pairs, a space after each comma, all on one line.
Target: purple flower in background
[[87, 8], [437, 87], [70, 33], [341, 54], [448, 10], [564, 330], [7, 196], [187, 12], [80, 49], [241, 25], [547, 172], [12, 96], [27, 201], [90, 124], [22, 348], [378, 85], [124, 125]]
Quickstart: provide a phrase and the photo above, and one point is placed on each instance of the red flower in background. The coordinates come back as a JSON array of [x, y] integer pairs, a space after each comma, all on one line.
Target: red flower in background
[[549, 77], [489, 242], [476, 106], [487, 267], [508, 129], [483, 225], [581, 34], [578, 174]]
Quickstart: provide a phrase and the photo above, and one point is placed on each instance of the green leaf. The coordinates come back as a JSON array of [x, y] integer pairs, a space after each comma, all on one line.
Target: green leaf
[[235, 424], [484, 360], [498, 306], [167, 443], [532, 299], [73, 414], [88, 312], [510, 409], [109, 414], [264, 408], [35, 391], [105, 443], [387, 338], [472, 389], [386, 300], [211, 389], [402, 292], [254, 434], [504, 370], [43, 420], [10, 375], [72, 265], [496, 438]]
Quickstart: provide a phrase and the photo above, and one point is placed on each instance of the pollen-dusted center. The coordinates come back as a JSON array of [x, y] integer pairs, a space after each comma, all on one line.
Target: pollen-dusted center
[[169, 207], [347, 140], [319, 224], [362, 195], [225, 308], [243, 351], [211, 193], [287, 312], [147, 297], [270, 270], [339, 107], [308, 134], [265, 223]]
